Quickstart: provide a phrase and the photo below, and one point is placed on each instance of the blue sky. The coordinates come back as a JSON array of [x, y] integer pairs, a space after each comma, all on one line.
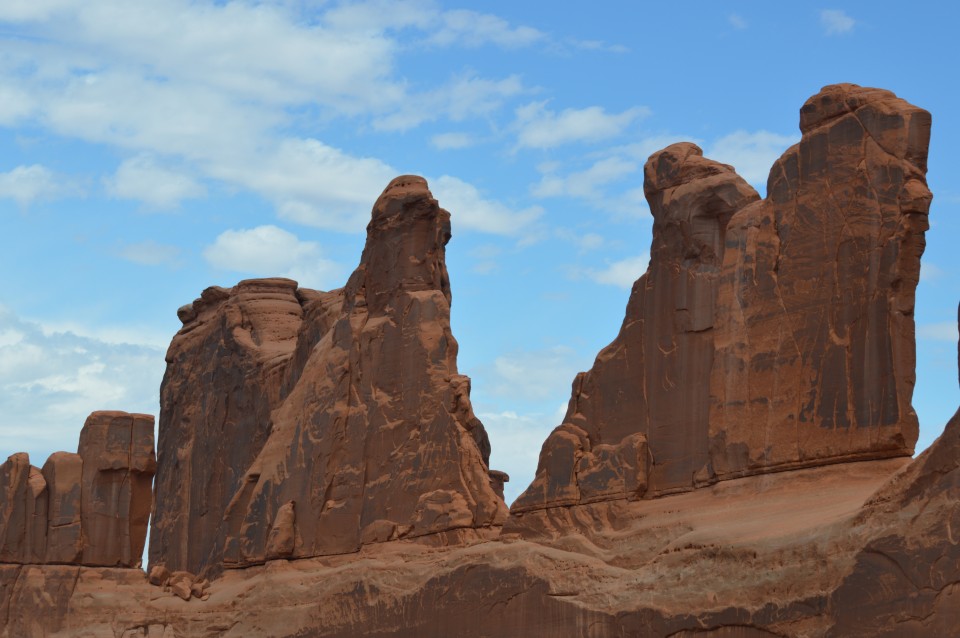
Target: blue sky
[[150, 149]]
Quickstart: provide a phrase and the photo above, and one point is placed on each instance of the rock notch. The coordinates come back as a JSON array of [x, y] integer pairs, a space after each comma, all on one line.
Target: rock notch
[[766, 334]]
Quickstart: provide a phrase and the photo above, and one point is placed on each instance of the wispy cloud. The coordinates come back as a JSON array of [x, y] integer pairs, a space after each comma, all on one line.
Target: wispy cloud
[[474, 211], [473, 29], [50, 380], [235, 76], [737, 21], [149, 253], [621, 273], [535, 374], [943, 331], [452, 141], [836, 22], [540, 127]]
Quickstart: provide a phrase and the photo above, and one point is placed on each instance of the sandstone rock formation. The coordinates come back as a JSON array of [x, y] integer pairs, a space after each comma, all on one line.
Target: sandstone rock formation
[[766, 334], [89, 508], [227, 369], [343, 475], [815, 351], [302, 421]]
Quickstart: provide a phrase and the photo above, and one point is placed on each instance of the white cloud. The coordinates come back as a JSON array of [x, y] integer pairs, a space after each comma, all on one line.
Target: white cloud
[[51, 380], [268, 251], [216, 87], [752, 154], [943, 331], [314, 184], [534, 375], [149, 253], [141, 178], [621, 273], [15, 104], [470, 210], [26, 184], [449, 141], [836, 22], [539, 127], [584, 184], [737, 21], [467, 28], [464, 97]]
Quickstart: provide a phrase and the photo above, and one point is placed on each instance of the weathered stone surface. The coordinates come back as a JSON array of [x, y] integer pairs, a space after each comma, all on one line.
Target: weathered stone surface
[[653, 380], [23, 511], [370, 411], [765, 334], [89, 508], [815, 350], [118, 467], [64, 475], [378, 408], [227, 369]]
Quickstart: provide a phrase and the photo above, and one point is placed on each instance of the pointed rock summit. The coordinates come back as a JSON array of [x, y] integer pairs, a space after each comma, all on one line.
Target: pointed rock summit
[[314, 423]]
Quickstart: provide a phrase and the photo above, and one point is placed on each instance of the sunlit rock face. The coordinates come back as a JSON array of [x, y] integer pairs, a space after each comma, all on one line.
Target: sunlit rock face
[[766, 334]]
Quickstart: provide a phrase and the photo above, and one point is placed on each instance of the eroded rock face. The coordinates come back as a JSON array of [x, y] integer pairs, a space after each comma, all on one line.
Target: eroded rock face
[[304, 423], [89, 508], [227, 369], [637, 421], [117, 479], [379, 417], [815, 351], [765, 334]]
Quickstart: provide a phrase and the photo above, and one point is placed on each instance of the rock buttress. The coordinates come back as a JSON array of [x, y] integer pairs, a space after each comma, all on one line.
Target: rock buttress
[[637, 421], [227, 369], [815, 350]]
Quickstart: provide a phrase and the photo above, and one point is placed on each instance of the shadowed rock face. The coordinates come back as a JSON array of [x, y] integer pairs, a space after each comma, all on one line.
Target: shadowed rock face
[[89, 508], [227, 369], [306, 423], [765, 334]]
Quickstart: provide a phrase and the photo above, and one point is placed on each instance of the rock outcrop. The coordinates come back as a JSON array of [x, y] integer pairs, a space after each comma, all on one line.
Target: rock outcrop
[[309, 423], [89, 508], [766, 334], [227, 369], [815, 353], [323, 445]]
